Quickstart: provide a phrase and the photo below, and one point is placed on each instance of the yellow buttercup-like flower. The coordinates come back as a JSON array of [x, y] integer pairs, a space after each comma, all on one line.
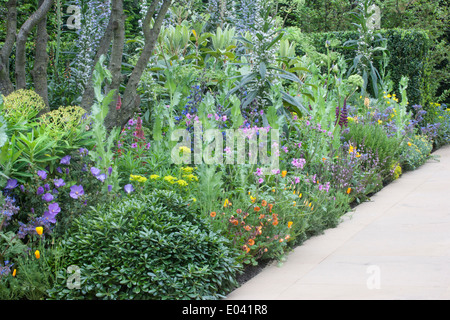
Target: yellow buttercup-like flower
[[37, 254]]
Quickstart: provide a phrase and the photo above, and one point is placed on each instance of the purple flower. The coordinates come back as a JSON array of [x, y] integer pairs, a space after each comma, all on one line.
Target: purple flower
[[109, 188], [95, 171], [128, 188], [65, 160], [76, 191], [260, 180], [134, 145], [11, 184], [47, 197], [53, 210], [46, 187], [110, 169], [101, 177], [59, 183], [298, 163], [83, 151], [42, 174], [40, 190], [22, 188], [59, 170]]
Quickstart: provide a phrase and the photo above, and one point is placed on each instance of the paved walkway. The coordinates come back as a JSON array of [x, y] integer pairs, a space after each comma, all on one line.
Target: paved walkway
[[397, 246]]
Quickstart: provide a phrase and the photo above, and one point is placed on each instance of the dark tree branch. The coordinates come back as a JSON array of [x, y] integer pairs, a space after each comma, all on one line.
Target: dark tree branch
[[6, 86], [131, 98], [22, 36], [39, 71]]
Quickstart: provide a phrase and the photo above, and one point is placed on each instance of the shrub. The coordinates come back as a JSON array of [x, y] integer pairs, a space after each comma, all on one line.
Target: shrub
[[147, 247], [408, 54], [417, 153], [22, 105]]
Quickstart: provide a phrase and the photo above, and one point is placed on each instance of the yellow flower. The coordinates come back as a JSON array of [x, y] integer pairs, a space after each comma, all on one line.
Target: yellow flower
[[182, 183], [137, 178], [39, 230], [409, 144], [154, 176], [290, 224], [14, 273], [37, 254], [253, 199], [187, 169], [190, 177], [185, 149], [300, 195], [226, 203], [194, 199], [170, 179], [349, 190], [283, 173], [380, 122]]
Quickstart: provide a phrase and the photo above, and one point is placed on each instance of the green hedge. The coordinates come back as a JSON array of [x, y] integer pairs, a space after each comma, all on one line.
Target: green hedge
[[409, 53]]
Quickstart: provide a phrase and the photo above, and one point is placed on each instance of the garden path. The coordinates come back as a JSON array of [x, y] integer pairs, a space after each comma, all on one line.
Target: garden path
[[394, 247]]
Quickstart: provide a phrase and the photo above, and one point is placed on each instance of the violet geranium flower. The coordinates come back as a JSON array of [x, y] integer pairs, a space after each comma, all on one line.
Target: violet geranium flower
[[128, 188], [42, 174], [11, 184], [47, 197], [95, 172], [65, 160], [59, 183], [76, 191], [53, 210]]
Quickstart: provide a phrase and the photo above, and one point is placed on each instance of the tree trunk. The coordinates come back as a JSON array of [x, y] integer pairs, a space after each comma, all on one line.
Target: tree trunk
[[22, 37], [115, 62], [6, 86], [39, 71], [131, 99]]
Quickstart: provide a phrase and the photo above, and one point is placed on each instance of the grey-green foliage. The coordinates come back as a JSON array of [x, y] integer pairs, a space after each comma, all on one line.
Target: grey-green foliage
[[366, 47], [103, 153], [150, 246]]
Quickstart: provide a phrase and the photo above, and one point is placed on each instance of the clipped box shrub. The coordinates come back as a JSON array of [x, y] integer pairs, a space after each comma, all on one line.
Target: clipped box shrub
[[147, 247], [409, 54]]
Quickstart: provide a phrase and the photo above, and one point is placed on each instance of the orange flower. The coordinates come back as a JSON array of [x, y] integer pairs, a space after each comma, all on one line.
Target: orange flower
[[245, 248], [212, 214], [270, 207], [349, 190], [275, 222], [234, 221], [37, 254], [248, 228], [261, 216], [265, 249], [264, 203], [283, 173], [290, 224], [256, 209], [239, 211], [251, 242], [14, 273], [39, 230]]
